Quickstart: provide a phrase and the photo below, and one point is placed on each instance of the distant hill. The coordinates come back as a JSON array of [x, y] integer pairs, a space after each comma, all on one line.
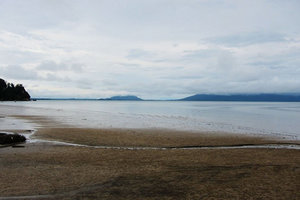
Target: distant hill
[[123, 98], [11, 92], [244, 97]]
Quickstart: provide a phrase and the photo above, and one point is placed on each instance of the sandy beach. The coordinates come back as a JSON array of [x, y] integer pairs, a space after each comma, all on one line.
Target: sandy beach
[[150, 164], [149, 100]]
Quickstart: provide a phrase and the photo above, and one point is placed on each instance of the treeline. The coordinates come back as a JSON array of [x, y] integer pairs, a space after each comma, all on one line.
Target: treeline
[[11, 92]]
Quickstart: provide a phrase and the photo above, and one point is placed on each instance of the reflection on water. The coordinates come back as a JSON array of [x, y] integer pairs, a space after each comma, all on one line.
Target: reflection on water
[[281, 119], [10, 123]]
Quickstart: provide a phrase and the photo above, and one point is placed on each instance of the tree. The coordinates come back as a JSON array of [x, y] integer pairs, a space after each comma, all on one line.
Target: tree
[[10, 92]]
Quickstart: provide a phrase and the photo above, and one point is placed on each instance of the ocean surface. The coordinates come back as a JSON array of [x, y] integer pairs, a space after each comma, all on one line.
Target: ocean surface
[[280, 119]]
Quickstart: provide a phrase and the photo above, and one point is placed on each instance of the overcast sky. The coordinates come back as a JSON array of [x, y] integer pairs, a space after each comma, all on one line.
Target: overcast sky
[[155, 49]]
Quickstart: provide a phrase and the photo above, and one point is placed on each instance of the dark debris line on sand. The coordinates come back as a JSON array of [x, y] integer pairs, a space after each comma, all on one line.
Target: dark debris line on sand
[[11, 139]]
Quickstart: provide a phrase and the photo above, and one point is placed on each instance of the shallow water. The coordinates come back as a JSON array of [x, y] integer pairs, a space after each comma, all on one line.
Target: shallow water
[[281, 119]]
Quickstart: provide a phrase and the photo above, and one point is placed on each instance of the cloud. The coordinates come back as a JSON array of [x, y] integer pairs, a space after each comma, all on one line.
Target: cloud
[[138, 53], [153, 49], [243, 39], [53, 66], [18, 73]]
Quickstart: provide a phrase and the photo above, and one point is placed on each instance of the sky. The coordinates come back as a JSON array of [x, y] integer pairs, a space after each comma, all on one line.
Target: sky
[[154, 49]]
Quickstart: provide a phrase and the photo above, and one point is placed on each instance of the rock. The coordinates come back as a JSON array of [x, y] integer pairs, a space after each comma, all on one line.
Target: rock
[[11, 138]]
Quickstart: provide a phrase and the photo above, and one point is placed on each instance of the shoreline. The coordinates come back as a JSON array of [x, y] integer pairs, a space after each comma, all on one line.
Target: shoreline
[[237, 141], [108, 120], [45, 170], [44, 128]]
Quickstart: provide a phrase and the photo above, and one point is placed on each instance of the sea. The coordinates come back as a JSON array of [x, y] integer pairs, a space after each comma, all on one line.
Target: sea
[[278, 119]]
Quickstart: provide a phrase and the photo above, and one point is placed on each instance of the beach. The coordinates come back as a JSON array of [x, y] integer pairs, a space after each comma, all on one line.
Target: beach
[[62, 161], [149, 100]]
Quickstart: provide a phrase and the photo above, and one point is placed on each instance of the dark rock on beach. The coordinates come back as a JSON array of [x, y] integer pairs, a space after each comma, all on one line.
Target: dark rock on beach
[[11, 138]]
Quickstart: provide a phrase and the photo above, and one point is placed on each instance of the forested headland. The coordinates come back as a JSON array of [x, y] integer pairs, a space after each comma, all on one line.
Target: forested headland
[[11, 92]]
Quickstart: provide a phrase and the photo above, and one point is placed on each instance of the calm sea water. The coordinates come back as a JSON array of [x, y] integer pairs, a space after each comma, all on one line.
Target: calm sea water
[[271, 118]]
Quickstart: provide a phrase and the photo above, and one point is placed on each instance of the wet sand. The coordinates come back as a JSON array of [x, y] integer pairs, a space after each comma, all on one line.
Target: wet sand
[[146, 137], [52, 171]]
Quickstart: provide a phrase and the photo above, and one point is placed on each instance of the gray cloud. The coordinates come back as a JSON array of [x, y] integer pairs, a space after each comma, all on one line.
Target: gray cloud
[[53, 66], [18, 72], [154, 49], [243, 39], [55, 77], [138, 53]]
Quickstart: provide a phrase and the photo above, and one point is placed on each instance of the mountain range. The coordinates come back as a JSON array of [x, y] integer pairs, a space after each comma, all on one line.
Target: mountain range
[[244, 97], [217, 97], [203, 97], [123, 98]]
